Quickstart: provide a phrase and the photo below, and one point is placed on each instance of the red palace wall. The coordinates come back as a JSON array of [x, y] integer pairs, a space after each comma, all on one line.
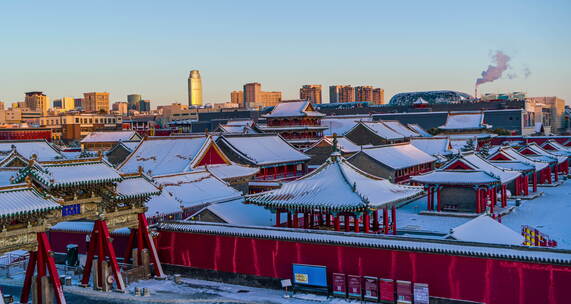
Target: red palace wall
[[25, 134], [492, 281]]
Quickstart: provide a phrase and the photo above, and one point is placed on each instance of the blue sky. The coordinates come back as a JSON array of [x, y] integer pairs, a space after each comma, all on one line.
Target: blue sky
[[66, 48]]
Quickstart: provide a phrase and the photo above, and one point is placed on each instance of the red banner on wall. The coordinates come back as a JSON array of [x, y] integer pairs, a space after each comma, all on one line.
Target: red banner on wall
[[339, 285], [371, 288], [354, 284]]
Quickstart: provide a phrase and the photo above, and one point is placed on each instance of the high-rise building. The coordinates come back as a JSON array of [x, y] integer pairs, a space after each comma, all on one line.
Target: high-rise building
[[37, 101], [78, 102], [364, 93], [194, 88], [378, 96], [96, 102], [341, 93], [133, 101], [334, 93], [145, 105], [64, 103], [311, 92], [120, 107], [237, 97], [254, 96]]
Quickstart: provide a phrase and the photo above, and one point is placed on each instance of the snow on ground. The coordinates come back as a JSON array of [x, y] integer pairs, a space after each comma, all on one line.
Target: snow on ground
[[409, 219], [549, 214]]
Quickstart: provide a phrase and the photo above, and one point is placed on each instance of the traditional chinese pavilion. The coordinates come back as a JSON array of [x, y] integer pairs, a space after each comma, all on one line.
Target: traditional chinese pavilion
[[558, 164], [296, 121], [336, 195], [541, 173], [467, 183]]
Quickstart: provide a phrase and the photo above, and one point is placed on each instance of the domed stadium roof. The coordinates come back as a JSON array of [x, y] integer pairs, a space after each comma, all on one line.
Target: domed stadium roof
[[432, 97]]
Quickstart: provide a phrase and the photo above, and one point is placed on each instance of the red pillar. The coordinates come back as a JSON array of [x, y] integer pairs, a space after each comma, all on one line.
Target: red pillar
[[356, 222], [386, 220], [347, 224], [394, 217], [478, 200], [549, 175], [366, 222], [305, 220], [289, 223], [328, 220], [278, 218], [526, 185], [534, 181], [429, 199], [516, 188], [504, 196], [337, 223], [556, 172], [438, 202], [376, 220], [295, 220]]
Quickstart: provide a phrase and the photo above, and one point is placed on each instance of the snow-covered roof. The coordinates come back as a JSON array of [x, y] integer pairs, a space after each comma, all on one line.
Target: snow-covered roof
[[399, 156], [484, 229], [475, 162], [6, 174], [540, 151], [382, 130], [110, 136], [432, 145], [297, 108], [130, 145], [336, 185], [512, 165], [400, 128], [135, 187], [194, 188], [343, 144], [239, 213], [72, 173], [556, 145], [230, 171], [84, 227], [393, 242], [341, 125], [455, 177], [464, 121], [237, 129], [16, 201], [264, 149], [512, 154], [41, 148], [165, 155], [418, 129]]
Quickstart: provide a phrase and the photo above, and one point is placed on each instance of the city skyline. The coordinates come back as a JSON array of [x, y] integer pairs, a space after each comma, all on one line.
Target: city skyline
[[154, 57]]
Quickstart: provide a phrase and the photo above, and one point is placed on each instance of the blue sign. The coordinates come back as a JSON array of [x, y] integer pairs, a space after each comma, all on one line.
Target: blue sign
[[71, 210], [310, 275]]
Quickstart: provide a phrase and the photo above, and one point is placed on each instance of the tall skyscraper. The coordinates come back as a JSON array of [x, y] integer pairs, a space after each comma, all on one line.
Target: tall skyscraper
[[378, 96], [194, 88], [311, 92], [37, 101], [254, 96], [334, 93], [96, 102], [341, 93], [145, 105], [133, 101]]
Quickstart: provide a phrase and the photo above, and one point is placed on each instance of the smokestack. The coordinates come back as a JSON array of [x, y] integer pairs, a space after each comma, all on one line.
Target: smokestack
[[476, 92]]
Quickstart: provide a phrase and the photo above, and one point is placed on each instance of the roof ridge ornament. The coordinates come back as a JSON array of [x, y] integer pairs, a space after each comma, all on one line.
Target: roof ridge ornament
[[335, 154]]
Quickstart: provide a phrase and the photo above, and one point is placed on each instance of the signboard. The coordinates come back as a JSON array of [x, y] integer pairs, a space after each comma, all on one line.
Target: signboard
[[404, 292], [421, 295], [371, 288], [387, 288], [286, 283], [354, 286], [71, 210], [310, 275], [339, 285]]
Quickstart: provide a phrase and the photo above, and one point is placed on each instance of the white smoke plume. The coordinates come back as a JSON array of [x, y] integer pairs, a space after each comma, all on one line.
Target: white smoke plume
[[496, 69]]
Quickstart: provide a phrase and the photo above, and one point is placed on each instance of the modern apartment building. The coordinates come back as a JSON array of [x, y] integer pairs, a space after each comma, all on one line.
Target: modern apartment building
[[378, 96], [364, 93], [133, 101], [237, 97], [71, 127], [64, 103], [254, 96], [120, 108], [311, 92], [37, 102], [95, 102], [346, 93]]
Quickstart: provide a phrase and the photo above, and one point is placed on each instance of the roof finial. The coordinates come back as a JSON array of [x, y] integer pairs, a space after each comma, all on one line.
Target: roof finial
[[99, 155], [335, 149], [140, 170]]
